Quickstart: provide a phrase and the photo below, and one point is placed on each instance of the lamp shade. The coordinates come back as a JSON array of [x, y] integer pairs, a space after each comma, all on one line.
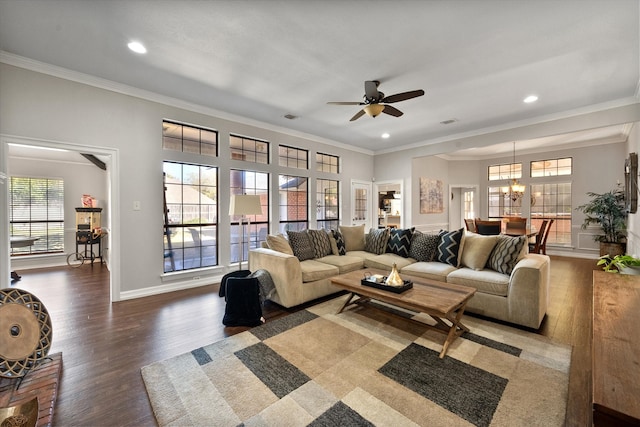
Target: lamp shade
[[245, 204], [373, 110]]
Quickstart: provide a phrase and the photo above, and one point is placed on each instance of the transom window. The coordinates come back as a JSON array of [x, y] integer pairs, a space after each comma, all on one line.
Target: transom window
[[191, 222], [249, 150], [189, 139], [508, 171], [293, 157], [327, 163], [551, 167], [327, 203], [36, 209], [294, 205], [249, 182]]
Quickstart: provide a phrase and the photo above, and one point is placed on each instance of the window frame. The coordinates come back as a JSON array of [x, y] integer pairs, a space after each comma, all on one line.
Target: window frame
[[329, 167], [248, 150], [290, 159], [197, 145], [322, 222], [296, 224]]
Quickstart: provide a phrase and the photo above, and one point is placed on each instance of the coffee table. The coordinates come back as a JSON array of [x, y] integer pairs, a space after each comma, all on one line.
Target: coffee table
[[444, 302]]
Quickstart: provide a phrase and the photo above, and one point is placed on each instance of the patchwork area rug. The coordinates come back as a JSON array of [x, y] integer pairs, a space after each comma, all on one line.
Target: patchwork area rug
[[363, 367]]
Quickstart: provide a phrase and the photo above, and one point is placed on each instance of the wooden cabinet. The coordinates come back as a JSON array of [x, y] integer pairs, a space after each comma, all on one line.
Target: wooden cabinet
[[616, 349]]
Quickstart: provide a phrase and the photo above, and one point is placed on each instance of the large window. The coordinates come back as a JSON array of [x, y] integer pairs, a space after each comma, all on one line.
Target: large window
[[293, 157], [327, 163], [327, 203], [249, 182], [249, 150], [294, 205], [36, 209], [189, 139], [191, 221], [553, 201]]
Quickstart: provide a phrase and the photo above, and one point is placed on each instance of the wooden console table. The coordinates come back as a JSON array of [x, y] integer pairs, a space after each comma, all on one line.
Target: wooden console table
[[616, 349]]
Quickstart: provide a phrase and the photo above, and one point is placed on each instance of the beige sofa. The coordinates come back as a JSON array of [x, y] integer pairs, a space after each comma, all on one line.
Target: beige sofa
[[520, 297]]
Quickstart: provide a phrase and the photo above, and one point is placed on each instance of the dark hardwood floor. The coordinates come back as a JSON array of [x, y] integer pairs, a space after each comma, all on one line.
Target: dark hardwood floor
[[104, 345]]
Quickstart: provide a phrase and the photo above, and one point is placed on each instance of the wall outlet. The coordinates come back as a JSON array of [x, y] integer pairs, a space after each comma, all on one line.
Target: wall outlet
[[196, 277], [137, 205]]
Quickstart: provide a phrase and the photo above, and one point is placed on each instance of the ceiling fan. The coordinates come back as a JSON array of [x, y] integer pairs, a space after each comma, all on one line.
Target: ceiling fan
[[375, 101]]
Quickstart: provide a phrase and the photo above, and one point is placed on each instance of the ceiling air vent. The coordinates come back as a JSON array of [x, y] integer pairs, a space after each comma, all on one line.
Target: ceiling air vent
[[290, 116], [448, 122]]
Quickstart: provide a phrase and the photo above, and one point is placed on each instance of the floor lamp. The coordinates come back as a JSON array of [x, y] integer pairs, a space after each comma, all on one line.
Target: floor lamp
[[242, 205]]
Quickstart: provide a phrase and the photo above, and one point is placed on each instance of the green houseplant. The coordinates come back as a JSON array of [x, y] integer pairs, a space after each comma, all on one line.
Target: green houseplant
[[625, 264], [609, 211]]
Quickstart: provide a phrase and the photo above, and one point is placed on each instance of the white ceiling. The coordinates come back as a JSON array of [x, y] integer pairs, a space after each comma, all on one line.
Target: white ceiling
[[262, 59]]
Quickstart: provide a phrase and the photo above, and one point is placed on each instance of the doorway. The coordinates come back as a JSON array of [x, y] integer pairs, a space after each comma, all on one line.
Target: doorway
[[390, 204], [110, 158], [463, 204]]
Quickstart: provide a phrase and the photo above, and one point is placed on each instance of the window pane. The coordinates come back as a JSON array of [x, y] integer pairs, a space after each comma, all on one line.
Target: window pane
[[249, 150], [327, 203], [293, 157], [191, 194], [327, 163], [189, 139], [293, 208], [553, 201]]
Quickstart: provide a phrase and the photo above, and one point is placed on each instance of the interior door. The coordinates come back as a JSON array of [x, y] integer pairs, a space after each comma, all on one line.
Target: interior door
[[361, 203]]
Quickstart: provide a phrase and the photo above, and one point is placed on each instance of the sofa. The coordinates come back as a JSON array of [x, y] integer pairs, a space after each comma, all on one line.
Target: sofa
[[511, 284]]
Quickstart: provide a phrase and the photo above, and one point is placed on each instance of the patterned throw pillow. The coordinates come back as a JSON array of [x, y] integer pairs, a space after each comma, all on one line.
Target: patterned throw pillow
[[450, 246], [376, 241], [423, 246], [400, 242], [301, 245], [505, 254], [342, 249], [320, 243]]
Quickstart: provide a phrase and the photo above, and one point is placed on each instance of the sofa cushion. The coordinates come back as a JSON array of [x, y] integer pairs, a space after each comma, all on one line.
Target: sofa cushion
[[376, 241], [339, 238], [353, 237], [301, 245], [450, 247], [345, 264], [505, 254], [429, 270], [386, 261], [486, 281], [477, 249], [313, 270], [423, 246], [400, 241], [320, 242], [363, 255], [279, 243]]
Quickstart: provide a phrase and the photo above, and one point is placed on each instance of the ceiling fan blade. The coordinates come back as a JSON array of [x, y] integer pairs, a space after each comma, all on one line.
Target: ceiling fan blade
[[357, 116], [346, 103], [371, 89], [403, 96], [392, 111]]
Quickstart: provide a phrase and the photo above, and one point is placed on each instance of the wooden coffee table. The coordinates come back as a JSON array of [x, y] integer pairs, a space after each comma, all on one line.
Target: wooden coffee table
[[444, 302]]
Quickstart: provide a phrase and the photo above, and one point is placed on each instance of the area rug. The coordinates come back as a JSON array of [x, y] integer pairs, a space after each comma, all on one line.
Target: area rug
[[363, 367]]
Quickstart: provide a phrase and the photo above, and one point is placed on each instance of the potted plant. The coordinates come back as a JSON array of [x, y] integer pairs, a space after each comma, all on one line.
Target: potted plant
[[625, 264], [608, 210]]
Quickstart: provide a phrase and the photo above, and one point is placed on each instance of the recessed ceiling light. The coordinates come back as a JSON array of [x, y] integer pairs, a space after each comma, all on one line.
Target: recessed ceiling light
[[137, 47], [385, 135], [531, 98]]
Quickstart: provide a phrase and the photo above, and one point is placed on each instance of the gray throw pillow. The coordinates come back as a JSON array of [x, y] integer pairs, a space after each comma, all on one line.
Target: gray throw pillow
[[376, 241], [320, 242], [301, 245], [505, 254]]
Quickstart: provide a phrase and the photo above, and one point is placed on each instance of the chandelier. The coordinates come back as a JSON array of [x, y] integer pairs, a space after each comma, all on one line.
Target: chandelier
[[515, 191]]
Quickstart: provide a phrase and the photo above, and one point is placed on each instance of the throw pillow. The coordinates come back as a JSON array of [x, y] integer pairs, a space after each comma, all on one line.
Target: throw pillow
[[505, 254], [320, 243], [279, 243], [353, 237], [477, 249], [376, 241], [423, 246], [450, 247], [339, 238], [301, 245], [400, 241]]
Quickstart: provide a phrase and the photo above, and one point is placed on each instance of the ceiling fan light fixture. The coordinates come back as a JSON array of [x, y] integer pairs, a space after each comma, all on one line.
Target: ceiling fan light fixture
[[373, 110]]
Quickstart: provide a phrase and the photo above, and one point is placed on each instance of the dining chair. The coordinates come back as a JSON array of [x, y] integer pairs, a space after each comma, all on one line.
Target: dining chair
[[543, 244], [471, 225], [488, 227], [535, 246]]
